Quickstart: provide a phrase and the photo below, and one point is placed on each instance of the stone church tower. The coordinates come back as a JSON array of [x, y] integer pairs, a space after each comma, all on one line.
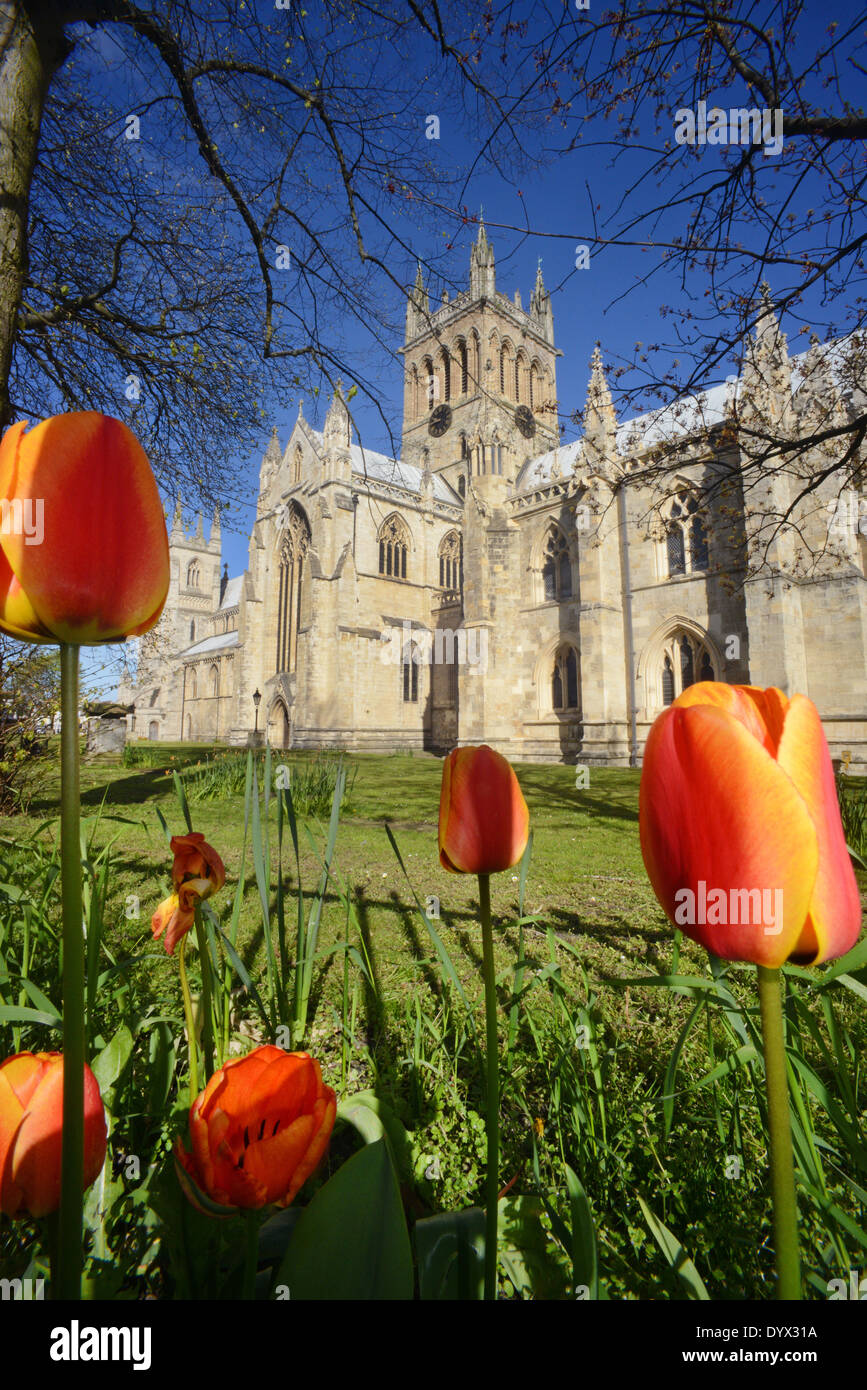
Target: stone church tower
[[494, 585]]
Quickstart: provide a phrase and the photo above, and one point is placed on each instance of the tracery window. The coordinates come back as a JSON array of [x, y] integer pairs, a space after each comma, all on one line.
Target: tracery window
[[685, 538], [564, 679], [556, 566], [293, 553], [450, 561], [393, 547], [409, 668], [193, 574], [685, 659]]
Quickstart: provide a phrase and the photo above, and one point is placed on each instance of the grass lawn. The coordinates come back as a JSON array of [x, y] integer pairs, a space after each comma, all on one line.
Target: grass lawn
[[596, 922]]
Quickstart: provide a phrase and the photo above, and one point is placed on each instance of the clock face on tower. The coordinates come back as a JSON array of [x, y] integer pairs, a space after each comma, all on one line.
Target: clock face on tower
[[525, 422], [440, 419]]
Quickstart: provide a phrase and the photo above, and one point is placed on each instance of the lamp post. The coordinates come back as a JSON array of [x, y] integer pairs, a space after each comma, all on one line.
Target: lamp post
[[257, 699]]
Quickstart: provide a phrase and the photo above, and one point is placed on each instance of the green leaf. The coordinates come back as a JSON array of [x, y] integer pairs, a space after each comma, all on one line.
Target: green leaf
[[11, 1013], [674, 1252], [110, 1062], [585, 1270], [451, 1255], [351, 1242]]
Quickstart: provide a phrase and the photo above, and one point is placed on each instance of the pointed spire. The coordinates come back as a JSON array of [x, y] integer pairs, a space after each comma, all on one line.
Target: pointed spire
[[600, 421], [482, 273], [337, 430], [200, 533], [178, 521], [215, 540], [417, 305], [767, 374], [540, 305]]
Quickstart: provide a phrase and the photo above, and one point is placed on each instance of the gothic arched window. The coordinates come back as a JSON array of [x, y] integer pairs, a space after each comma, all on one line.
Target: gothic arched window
[[446, 374], [686, 538], [293, 552], [410, 673], [450, 561], [193, 630], [296, 472], [564, 679], [193, 574], [556, 566], [464, 368], [462, 485], [684, 660], [215, 681], [393, 547], [192, 689]]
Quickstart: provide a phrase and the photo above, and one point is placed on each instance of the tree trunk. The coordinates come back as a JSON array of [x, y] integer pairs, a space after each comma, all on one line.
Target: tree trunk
[[32, 47]]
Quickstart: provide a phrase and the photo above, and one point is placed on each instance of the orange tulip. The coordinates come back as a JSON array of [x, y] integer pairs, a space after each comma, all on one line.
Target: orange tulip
[[259, 1129], [197, 872], [99, 571], [484, 821], [31, 1132], [740, 827]]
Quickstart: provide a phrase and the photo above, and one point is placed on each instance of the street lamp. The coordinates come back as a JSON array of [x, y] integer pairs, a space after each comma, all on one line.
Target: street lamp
[[257, 700]]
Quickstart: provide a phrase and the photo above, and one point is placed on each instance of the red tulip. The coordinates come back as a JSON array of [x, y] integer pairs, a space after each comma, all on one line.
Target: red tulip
[[259, 1129], [197, 872], [484, 821], [99, 572], [31, 1132], [740, 827]]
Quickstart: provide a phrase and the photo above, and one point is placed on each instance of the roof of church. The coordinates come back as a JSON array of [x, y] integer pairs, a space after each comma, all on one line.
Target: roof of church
[[683, 417], [213, 644], [232, 596], [369, 464]]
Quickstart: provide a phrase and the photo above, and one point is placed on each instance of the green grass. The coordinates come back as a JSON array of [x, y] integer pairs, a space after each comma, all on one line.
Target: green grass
[[606, 1108]]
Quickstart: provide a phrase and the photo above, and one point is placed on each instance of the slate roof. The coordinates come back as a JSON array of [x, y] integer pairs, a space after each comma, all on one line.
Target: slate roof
[[213, 644]]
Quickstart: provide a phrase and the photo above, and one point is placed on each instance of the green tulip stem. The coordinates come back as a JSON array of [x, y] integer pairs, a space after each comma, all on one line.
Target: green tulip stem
[[492, 1092], [782, 1168], [251, 1257], [205, 966], [189, 1020], [69, 1235]]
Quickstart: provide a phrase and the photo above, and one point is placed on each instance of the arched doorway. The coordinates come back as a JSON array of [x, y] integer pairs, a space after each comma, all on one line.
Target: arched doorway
[[278, 725]]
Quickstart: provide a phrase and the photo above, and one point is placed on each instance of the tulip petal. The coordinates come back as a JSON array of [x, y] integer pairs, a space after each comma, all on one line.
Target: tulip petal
[[17, 614], [101, 570], [702, 768], [834, 919], [273, 1160], [324, 1114], [35, 1157], [11, 1119], [740, 701], [484, 822]]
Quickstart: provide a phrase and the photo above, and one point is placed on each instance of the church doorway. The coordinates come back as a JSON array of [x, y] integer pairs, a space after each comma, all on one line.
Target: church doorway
[[278, 725]]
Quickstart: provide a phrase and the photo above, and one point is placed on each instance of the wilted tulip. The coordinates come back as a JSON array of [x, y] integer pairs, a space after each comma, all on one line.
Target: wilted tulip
[[484, 822], [259, 1129], [197, 872], [740, 827], [96, 567], [31, 1132]]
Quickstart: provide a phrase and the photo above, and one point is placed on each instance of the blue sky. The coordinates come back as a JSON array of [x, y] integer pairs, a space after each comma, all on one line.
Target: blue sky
[[560, 203]]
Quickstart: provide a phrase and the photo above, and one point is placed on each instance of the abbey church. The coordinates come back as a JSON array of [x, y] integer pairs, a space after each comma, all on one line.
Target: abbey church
[[494, 585]]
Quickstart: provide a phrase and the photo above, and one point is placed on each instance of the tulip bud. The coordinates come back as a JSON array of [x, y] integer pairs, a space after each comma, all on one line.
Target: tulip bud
[[484, 822], [31, 1132], [100, 571], [740, 827]]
